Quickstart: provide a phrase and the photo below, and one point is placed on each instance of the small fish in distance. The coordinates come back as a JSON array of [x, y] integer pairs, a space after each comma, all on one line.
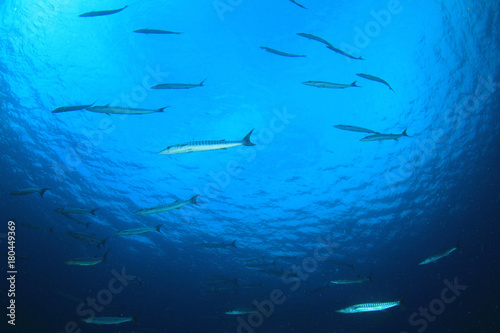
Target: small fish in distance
[[165, 208], [26, 191], [381, 136], [156, 31], [102, 12], [281, 53], [177, 85], [323, 84], [313, 37], [354, 129], [121, 110], [333, 48]]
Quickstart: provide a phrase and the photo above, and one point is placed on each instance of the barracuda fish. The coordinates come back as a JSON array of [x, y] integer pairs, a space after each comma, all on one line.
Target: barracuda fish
[[87, 261], [111, 320], [354, 129], [138, 231], [380, 137], [438, 256], [369, 307], [66, 210], [102, 12], [121, 110], [37, 227], [197, 146], [71, 108], [26, 191], [217, 245], [323, 84], [353, 281], [156, 31], [374, 78], [298, 4], [164, 208], [285, 54], [333, 48], [316, 38], [88, 239], [177, 85], [242, 311], [75, 220]]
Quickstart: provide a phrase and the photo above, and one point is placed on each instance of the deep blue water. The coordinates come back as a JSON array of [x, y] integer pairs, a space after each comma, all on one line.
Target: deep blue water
[[306, 197]]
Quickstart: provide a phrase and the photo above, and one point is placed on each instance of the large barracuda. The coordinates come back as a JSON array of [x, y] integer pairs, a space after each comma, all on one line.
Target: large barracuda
[[380, 136], [167, 207], [102, 12], [177, 85], [26, 191], [355, 129], [323, 84], [110, 320], [374, 78], [438, 256], [121, 110], [197, 146], [369, 307], [87, 261], [132, 232], [281, 53]]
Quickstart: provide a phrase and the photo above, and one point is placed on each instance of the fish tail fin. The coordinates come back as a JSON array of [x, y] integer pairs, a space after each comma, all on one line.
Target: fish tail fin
[[42, 191], [193, 199], [201, 83], [404, 133], [392, 90], [246, 140], [402, 300], [134, 317], [105, 256], [158, 228], [93, 211], [102, 243], [233, 243], [161, 109], [354, 84]]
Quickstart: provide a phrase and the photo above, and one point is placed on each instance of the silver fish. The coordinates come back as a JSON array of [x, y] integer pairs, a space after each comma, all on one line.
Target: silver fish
[[353, 281], [177, 85], [374, 78], [87, 261], [26, 191], [369, 307], [197, 146], [438, 256], [242, 311], [323, 84], [121, 110], [71, 108], [313, 37], [281, 53], [138, 231], [110, 320], [102, 12], [164, 208], [355, 129], [156, 31], [380, 136]]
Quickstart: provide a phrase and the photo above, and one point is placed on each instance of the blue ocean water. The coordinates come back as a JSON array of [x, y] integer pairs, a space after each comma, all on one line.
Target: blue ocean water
[[309, 203]]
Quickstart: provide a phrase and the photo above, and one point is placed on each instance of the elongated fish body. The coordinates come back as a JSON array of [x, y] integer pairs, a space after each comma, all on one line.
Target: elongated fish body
[[316, 38], [197, 146], [355, 129], [217, 245], [352, 281], [87, 261], [26, 191], [167, 207], [132, 232], [438, 256], [281, 53], [75, 220], [333, 48], [102, 12], [66, 210], [369, 307], [323, 84], [177, 85], [110, 320], [298, 4], [155, 31], [71, 108], [380, 137], [120, 110], [374, 78], [242, 311]]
